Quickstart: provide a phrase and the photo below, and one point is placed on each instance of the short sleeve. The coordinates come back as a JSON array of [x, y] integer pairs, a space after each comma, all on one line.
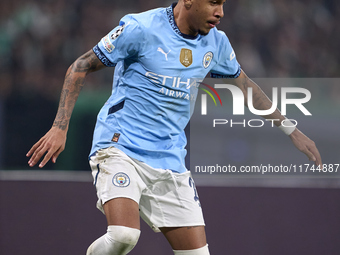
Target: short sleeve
[[227, 65], [123, 42]]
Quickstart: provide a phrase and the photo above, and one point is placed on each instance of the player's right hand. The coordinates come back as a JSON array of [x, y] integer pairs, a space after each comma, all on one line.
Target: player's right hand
[[307, 146], [50, 145]]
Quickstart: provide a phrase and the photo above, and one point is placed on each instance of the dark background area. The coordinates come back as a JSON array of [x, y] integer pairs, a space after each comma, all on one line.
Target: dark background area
[[40, 39], [273, 39], [61, 218]]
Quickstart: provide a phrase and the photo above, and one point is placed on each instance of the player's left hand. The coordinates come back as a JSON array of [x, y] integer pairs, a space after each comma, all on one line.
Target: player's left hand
[[307, 146], [50, 145]]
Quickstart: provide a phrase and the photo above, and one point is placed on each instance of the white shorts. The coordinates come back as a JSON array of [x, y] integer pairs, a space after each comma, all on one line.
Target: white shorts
[[165, 199]]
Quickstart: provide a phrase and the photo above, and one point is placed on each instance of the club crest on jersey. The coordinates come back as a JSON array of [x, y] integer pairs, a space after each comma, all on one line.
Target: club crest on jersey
[[185, 57], [121, 180], [207, 59]]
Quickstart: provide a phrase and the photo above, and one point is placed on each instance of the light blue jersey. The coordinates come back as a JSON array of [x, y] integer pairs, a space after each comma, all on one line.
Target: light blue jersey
[[158, 71]]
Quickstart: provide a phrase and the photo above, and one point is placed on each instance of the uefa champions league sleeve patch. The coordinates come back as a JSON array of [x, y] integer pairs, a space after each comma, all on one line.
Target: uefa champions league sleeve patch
[[121, 180], [107, 40], [117, 33]]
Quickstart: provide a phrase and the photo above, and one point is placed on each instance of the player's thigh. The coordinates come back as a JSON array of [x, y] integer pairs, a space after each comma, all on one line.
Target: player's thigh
[[185, 238], [122, 212], [118, 185]]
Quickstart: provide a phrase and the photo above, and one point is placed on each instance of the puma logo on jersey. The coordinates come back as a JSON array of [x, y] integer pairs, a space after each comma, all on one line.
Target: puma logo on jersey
[[163, 52]]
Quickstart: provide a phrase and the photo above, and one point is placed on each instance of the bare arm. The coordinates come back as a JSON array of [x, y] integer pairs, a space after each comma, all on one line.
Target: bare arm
[[260, 99], [53, 142], [74, 81], [262, 102]]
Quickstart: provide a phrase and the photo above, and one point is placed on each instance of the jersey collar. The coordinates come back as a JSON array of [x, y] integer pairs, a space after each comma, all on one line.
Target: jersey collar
[[170, 13]]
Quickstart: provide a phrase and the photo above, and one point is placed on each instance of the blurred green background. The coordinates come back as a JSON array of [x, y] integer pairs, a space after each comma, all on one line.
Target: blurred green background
[[40, 39]]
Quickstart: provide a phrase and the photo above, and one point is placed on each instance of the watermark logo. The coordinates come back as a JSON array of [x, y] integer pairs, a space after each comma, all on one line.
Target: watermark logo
[[204, 98], [239, 99]]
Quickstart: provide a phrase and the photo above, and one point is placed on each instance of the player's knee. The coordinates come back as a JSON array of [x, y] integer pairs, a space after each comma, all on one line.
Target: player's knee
[[122, 234], [118, 240], [200, 251]]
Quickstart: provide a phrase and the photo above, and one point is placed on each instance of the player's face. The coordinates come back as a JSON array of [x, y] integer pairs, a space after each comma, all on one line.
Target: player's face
[[205, 15]]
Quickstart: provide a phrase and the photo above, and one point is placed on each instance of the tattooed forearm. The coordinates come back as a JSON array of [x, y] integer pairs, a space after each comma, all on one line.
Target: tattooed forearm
[[69, 94], [64, 94], [74, 81], [61, 124]]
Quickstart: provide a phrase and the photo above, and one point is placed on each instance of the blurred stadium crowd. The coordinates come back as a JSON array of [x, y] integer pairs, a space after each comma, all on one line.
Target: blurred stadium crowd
[[272, 38], [39, 39]]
